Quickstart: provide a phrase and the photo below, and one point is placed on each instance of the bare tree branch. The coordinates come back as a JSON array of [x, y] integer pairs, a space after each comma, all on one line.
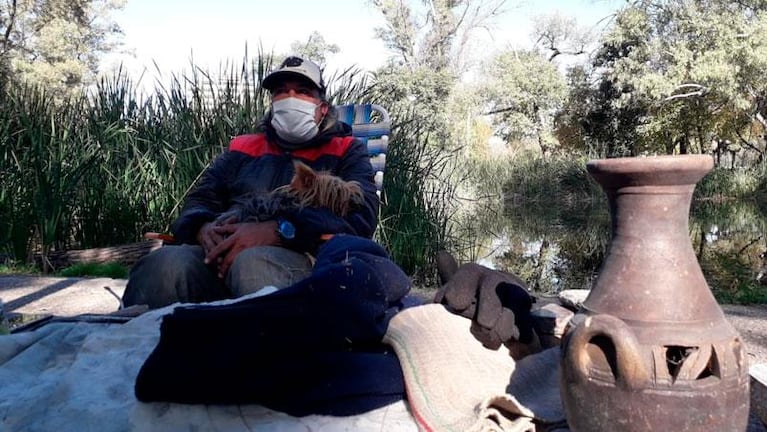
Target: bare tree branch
[[759, 117], [702, 91], [9, 29], [748, 144]]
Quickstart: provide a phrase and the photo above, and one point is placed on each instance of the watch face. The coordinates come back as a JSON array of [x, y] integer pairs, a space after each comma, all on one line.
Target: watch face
[[287, 230]]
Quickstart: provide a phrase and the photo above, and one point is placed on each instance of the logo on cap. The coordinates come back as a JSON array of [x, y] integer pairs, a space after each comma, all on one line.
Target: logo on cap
[[292, 62]]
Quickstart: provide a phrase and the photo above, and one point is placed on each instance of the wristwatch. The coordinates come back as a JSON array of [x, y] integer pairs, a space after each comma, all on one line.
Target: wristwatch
[[285, 229]]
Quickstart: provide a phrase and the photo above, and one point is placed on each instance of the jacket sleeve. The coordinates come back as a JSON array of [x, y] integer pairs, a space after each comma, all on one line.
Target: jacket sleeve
[[313, 222], [206, 200]]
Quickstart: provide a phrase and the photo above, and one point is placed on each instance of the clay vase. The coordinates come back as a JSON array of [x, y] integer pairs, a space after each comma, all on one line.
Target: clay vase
[[654, 351]]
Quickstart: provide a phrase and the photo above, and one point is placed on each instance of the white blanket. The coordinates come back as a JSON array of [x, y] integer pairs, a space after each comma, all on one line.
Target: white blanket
[[79, 377]]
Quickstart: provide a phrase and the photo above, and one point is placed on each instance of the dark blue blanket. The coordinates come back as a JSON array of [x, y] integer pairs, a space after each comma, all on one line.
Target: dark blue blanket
[[312, 348]]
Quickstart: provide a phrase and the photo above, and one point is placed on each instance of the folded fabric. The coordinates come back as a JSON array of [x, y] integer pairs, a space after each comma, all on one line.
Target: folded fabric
[[455, 384], [498, 304], [312, 348]]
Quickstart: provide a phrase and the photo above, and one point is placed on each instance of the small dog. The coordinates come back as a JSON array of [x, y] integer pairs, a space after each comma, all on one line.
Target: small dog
[[307, 188]]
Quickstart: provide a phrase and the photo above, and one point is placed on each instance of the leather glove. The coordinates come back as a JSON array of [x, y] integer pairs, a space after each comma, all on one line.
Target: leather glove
[[496, 302]]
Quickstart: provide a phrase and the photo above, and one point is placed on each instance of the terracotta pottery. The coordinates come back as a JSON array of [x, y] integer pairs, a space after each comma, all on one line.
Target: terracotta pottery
[[654, 351]]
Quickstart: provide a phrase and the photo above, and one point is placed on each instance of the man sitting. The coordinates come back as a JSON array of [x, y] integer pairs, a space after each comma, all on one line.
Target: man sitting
[[221, 259]]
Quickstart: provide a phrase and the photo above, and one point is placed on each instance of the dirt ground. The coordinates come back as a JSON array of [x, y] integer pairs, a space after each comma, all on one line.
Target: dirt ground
[[751, 323]]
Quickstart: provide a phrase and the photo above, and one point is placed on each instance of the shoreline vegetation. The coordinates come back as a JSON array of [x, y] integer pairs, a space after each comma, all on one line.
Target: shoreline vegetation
[[101, 168]]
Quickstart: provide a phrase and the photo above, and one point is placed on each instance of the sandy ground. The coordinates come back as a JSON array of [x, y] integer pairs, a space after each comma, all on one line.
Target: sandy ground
[[60, 296], [751, 323]]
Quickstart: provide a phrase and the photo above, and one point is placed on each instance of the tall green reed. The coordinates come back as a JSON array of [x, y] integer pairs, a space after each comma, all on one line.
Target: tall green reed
[[46, 155], [101, 168], [419, 197]]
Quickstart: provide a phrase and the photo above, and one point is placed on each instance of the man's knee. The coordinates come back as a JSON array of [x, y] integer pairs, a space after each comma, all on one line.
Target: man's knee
[[168, 275], [257, 267]]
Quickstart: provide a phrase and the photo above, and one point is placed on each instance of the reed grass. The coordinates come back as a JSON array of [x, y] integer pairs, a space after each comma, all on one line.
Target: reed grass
[[418, 198], [723, 183]]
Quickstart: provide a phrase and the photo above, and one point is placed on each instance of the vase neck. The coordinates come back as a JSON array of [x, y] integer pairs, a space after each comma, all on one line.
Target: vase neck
[[651, 211]]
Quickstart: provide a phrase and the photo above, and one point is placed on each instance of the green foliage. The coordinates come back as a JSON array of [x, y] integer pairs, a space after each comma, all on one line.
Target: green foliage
[[677, 74], [56, 43], [418, 198], [430, 44], [591, 123], [732, 279], [111, 270], [418, 86], [538, 179], [46, 154], [725, 183], [315, 48], [100, 169], [13, 268], [524, 108], [422, 93]]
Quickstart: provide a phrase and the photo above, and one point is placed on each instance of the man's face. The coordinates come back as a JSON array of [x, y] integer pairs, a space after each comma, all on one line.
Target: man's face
[[303, 90]]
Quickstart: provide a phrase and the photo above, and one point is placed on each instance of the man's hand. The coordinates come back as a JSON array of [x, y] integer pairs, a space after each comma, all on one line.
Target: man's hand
[[207, 236], [239, 236]]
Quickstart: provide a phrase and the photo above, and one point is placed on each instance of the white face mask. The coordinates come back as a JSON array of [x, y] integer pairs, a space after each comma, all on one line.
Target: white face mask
[[293, 119]]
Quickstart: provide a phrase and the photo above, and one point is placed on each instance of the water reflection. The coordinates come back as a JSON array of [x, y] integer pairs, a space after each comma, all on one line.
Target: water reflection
[[560, 244]]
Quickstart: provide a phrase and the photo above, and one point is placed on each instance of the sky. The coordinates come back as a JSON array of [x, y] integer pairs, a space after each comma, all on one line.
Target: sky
[[171, 32]]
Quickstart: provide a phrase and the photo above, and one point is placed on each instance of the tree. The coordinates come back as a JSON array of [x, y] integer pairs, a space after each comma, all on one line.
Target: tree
[[561, 35], [525, 90], [523, 108], [429, 41], [694, 69], [56, 43], [437, 35], [591, 121], [315, 48]]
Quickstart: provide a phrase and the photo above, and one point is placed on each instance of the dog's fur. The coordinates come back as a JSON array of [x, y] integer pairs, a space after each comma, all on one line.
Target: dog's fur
[[307, 188]]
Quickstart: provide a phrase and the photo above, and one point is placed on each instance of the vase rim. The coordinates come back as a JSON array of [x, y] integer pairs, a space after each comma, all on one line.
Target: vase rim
[[663, 163]]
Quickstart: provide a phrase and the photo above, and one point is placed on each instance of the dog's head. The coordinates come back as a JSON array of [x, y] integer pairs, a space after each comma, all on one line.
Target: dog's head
[[322, 189]]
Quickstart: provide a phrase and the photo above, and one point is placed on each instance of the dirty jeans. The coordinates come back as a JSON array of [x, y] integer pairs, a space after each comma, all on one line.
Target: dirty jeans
[[178, 274]]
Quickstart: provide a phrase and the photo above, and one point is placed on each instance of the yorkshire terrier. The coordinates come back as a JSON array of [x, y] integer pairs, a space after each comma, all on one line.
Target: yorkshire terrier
[[307, 188]]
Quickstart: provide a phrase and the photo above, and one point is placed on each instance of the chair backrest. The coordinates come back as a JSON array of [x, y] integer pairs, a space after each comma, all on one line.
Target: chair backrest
[[370, 124]]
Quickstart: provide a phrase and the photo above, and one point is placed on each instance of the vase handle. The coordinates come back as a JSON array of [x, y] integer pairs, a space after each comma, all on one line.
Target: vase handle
[[629, 369]]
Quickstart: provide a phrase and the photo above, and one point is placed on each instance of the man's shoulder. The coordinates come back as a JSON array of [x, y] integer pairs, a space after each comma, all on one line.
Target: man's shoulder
[[337, 146], [252, 144]]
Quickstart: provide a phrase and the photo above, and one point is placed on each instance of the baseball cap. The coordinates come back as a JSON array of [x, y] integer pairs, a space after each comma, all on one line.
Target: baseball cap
[[297, 66]]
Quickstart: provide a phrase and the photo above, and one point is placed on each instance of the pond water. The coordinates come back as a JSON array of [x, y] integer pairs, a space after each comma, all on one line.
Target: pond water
[[560, 244]]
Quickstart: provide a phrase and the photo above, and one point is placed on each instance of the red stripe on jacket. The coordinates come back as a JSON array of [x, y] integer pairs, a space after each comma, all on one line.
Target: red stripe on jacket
[[257, 145]]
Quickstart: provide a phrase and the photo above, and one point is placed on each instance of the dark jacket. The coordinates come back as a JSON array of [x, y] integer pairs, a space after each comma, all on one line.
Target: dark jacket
[[260, 163]]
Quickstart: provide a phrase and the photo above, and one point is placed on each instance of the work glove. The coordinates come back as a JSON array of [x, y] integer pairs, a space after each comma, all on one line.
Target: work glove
[[497, 303]]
